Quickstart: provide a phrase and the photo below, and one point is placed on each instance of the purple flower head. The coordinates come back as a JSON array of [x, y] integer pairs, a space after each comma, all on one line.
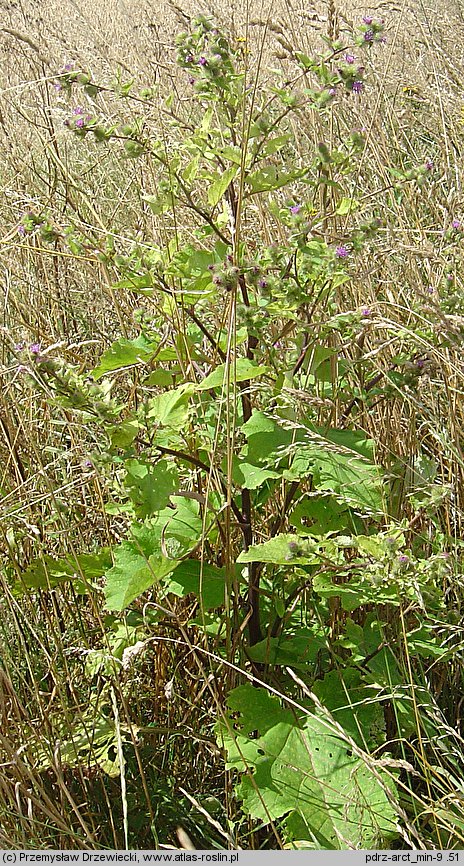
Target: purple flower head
[[21, 231], [19, 347], [403, 559], [368, 19], [420, 363], [365, 312], [66, 122], [295, 209], [368, 36], [456, 224], [341, 252], [350, 58], [262, 284], [68, 67], [191, 80], [88, 464], [78, 110], [428, 165], [80, 122], [357, 87], [449, 278], [202, 61], [332, 91], [35, 348], [190, 58], [430, 290], [57, 86]]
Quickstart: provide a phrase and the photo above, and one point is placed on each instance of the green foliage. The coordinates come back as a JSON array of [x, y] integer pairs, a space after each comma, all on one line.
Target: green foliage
[[152, 552], [125, 353], [296, 766], [81, 571], [251, 504]]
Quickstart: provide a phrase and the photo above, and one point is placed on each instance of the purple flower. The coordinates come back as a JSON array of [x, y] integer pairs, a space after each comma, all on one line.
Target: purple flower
[[332, 91], [19, 347], [78, 110], [191, 80], [190, 58], [456, 224], [368, 19], [449, 278], [357, 86], [202, 61], [262, 284], [295, 209], [403, 559], [428, 165], [66, 122], [420, 363], [350, 58], [365, 312], [368, 36], [80, 122], [21, 231], [68, 67], [341, 252], [57, 86]]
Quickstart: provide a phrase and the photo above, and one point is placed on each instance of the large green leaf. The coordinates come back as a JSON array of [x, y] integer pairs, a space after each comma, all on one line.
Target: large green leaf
[[139, 563], [240, 372], [149, 486], [351, 704], [293, 766], [297, 650], [281, 550], [220, 184], [207, 582], [152, 552], [265, 437], [171, 409], [319, 515], [351, 479], [124, 353], [249, 476]]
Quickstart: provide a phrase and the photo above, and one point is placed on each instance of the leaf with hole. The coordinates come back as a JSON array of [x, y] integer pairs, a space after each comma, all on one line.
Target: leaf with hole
[[299, 767]]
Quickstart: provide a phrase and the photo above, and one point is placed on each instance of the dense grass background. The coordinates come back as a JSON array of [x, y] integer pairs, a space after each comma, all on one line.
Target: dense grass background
[[66, 707]]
